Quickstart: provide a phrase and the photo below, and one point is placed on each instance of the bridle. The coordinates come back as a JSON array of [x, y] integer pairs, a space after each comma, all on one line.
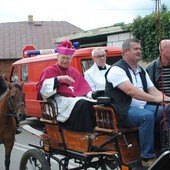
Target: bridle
[[13, 109]]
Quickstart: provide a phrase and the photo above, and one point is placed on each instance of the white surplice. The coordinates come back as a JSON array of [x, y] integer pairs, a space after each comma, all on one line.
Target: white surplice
[[96, 77], [65, 104]]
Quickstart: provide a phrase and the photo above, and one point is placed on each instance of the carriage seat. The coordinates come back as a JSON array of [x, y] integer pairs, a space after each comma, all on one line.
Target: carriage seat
[[98, 93], [49, 111], [107, 118], [49, 108]]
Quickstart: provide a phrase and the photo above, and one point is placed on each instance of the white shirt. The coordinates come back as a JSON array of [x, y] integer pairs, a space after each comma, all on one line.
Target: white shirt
[[117, 76], [96, 77]]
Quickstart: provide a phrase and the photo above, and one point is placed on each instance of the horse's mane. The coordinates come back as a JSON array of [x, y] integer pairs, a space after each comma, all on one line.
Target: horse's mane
[[2, 96], [18, 86], [9, 87]]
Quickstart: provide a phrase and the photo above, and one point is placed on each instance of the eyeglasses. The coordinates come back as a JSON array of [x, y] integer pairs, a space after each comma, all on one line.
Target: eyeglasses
[[100, 56]]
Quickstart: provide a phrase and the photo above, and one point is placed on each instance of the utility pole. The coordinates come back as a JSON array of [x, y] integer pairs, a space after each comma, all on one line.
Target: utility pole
[[157, 5]]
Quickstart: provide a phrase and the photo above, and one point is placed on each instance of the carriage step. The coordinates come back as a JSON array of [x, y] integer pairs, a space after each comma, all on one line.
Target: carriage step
[[105, 130], [101, 153], [38, 133], [48, 121]]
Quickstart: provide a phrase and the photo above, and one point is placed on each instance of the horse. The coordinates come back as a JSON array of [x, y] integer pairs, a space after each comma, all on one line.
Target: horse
[[12, 108]]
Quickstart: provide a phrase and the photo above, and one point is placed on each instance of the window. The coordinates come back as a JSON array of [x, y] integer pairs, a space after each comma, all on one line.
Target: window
[[24, 73], [112, 60], [14, 77], [86, 64]]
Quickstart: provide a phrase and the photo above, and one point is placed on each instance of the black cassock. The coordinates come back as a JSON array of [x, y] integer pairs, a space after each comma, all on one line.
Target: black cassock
[[82, 118]]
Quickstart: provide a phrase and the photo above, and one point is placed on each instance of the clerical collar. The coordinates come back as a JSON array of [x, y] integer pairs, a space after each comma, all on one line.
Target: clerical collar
[[102, 68]]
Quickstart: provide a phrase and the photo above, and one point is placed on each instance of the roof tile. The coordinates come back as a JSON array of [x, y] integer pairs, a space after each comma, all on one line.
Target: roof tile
[[15, 35]]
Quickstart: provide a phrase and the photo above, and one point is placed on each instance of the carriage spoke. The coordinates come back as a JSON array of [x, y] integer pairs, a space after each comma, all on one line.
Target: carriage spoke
[[33, 164], [34, 160]]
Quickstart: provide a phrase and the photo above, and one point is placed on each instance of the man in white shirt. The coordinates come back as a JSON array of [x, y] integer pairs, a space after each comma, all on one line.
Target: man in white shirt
[[95, 76], [130, 89]]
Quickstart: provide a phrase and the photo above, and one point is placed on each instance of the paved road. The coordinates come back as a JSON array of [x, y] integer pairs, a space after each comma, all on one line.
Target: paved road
[[21, 146]]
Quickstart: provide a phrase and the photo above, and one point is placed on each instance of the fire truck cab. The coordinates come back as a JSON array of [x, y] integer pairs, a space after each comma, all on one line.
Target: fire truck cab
[[29, 68]]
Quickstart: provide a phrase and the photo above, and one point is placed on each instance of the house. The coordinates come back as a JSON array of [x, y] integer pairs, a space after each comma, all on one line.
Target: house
[[15, 35], [104, 36]]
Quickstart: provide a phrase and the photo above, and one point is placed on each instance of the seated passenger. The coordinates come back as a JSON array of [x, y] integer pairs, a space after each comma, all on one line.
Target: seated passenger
[[95, 75], [160, 75], [69, 89], [154, 68], [130, 89]]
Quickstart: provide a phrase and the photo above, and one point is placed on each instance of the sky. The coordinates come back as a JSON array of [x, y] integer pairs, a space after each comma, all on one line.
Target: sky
[[85, 14]]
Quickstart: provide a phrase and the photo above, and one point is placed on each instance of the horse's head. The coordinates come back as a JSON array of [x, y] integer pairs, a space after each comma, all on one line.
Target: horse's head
[[17, 101]]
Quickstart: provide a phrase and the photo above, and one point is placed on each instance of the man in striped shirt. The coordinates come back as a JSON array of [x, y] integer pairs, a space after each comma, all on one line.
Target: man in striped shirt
[[160, 76], [155, 69]]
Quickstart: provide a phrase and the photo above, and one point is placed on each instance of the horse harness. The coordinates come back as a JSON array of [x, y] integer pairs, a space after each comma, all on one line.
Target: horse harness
[[11, 105]]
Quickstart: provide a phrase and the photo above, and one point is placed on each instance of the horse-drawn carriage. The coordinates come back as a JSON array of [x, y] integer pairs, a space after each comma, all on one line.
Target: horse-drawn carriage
[[109, 146]]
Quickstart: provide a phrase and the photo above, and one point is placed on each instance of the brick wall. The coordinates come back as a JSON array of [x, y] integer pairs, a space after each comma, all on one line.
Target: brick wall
[[118, 39], [5, 66]]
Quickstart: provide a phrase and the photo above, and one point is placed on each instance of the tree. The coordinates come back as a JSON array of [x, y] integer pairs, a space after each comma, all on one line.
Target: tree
[[150, 29]]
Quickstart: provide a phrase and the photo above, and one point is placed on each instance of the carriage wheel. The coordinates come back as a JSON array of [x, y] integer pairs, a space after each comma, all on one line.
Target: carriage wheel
[[108, 167], [34, 159], [110, 164]]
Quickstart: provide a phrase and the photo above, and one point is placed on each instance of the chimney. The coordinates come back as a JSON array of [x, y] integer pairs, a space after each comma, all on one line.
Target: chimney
[[30, 18]]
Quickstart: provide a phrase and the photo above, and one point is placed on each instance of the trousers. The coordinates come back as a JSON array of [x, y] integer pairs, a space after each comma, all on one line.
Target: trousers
[[145, 119]]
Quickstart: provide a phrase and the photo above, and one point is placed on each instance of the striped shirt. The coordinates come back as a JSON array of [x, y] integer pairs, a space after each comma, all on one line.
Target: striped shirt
[[166, 81]]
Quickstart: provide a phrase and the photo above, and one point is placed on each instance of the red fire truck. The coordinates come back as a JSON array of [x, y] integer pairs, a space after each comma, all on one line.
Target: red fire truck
[[29, 68]]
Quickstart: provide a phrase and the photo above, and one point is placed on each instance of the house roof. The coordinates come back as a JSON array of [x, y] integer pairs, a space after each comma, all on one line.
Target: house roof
[[15, 35], [94, 37]]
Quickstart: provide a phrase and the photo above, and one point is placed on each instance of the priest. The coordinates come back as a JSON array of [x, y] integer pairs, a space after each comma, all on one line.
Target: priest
[[98, 69], [70, 90]]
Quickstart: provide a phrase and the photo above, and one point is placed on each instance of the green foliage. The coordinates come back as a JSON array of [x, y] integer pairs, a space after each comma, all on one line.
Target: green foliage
[[164, 8], [119, 24], [150, 30]]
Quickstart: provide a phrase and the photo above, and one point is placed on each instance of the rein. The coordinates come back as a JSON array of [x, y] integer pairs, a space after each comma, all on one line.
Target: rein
[[160, 57], [14, 110]]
